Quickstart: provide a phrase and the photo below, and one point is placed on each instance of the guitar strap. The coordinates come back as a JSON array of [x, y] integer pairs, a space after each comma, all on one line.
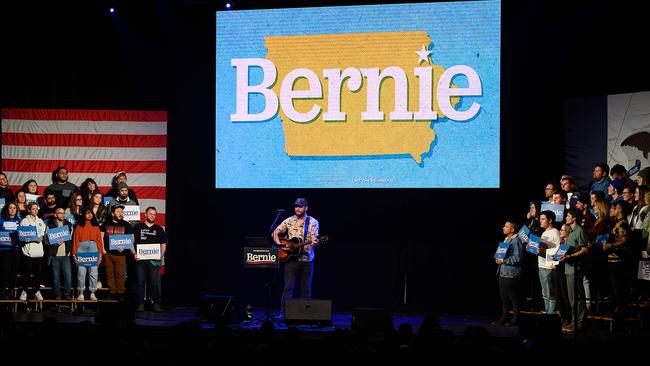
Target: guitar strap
[[306, 228]]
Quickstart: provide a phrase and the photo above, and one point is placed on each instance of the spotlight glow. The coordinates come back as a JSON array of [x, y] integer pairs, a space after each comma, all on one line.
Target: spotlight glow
[[111, 10]]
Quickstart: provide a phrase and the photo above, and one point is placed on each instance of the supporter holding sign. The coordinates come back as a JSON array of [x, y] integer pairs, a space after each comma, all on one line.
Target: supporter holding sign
[[32, 251], [115, 259], [60, 245], [87, 245], [509, 272], [31, 192], [9, 250], [149, 239]]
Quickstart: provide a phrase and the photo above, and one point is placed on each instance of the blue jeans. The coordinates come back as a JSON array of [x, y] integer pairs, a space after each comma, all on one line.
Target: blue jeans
[[292, 270], [81, 278], [61, 265], [549, 290], [147, 273]]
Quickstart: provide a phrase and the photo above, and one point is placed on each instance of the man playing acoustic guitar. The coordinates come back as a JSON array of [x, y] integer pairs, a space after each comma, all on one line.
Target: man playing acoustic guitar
[[302, 229]]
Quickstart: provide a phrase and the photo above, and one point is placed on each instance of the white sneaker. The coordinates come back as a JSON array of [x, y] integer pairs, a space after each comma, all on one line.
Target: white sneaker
[[81, 297], [38, 296], [23, 296], [99, 284], [93, 297]]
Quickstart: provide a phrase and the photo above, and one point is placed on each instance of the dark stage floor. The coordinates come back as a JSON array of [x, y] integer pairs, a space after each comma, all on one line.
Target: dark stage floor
[[601, 328], [172, 316]]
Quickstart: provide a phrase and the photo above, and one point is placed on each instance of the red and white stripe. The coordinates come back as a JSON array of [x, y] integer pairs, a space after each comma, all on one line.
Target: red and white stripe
[[90, 143]]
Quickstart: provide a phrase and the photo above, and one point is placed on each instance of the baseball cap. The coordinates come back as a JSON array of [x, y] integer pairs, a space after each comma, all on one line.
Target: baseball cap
[[301, 202], [114, 207]]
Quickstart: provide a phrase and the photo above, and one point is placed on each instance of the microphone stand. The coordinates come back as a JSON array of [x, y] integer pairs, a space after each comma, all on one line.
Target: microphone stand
[[278, 212], [269, 282]]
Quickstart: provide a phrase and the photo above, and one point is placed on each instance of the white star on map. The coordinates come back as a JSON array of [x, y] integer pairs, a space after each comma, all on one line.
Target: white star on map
[[423, 54]]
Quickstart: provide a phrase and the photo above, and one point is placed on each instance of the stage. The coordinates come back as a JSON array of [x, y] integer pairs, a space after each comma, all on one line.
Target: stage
[[178, 336], [174, 316]]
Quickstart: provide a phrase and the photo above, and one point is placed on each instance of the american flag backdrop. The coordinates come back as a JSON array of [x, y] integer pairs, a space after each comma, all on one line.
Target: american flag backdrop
[[91, 144]]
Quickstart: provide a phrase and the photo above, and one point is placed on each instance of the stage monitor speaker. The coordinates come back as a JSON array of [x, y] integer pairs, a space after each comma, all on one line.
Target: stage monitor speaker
[[372, 320], [216, 308], [308, 311], [543, 326]]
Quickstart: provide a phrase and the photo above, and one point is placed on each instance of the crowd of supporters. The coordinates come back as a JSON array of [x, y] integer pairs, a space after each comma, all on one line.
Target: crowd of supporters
[[91, 220], [605, 235]]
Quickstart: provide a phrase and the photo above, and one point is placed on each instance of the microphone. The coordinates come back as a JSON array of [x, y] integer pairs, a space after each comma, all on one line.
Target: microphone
[[280, 210]]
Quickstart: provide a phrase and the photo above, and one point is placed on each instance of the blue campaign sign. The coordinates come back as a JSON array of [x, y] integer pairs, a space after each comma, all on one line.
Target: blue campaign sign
[[107, 200], [523, 234], [27, 233], [561, 252], [502, 249], [118, 242], [58, 234], [558, 210], [533, 244], [87, 259], [5, 239], [71, 218], [9, 225], [600, 240]]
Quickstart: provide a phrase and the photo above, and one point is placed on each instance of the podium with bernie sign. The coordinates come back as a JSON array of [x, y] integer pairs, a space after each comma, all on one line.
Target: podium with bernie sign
[[261, 257], [120, 242]]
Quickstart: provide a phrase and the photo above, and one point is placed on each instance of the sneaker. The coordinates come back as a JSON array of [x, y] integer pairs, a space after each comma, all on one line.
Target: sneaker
[[81, 297], [93, 297], [157, 308], [23, 296], [140, 308], [38, 296]]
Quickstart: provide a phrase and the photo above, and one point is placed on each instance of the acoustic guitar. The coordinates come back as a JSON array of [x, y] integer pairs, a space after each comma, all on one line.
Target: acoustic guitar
[[294, 247]]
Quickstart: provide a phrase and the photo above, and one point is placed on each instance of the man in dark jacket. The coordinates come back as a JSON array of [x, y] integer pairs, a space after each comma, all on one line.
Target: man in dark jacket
[[509, 272]]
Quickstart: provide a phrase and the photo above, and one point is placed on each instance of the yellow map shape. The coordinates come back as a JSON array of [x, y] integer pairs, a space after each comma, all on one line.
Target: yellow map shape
[[354, 137]]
